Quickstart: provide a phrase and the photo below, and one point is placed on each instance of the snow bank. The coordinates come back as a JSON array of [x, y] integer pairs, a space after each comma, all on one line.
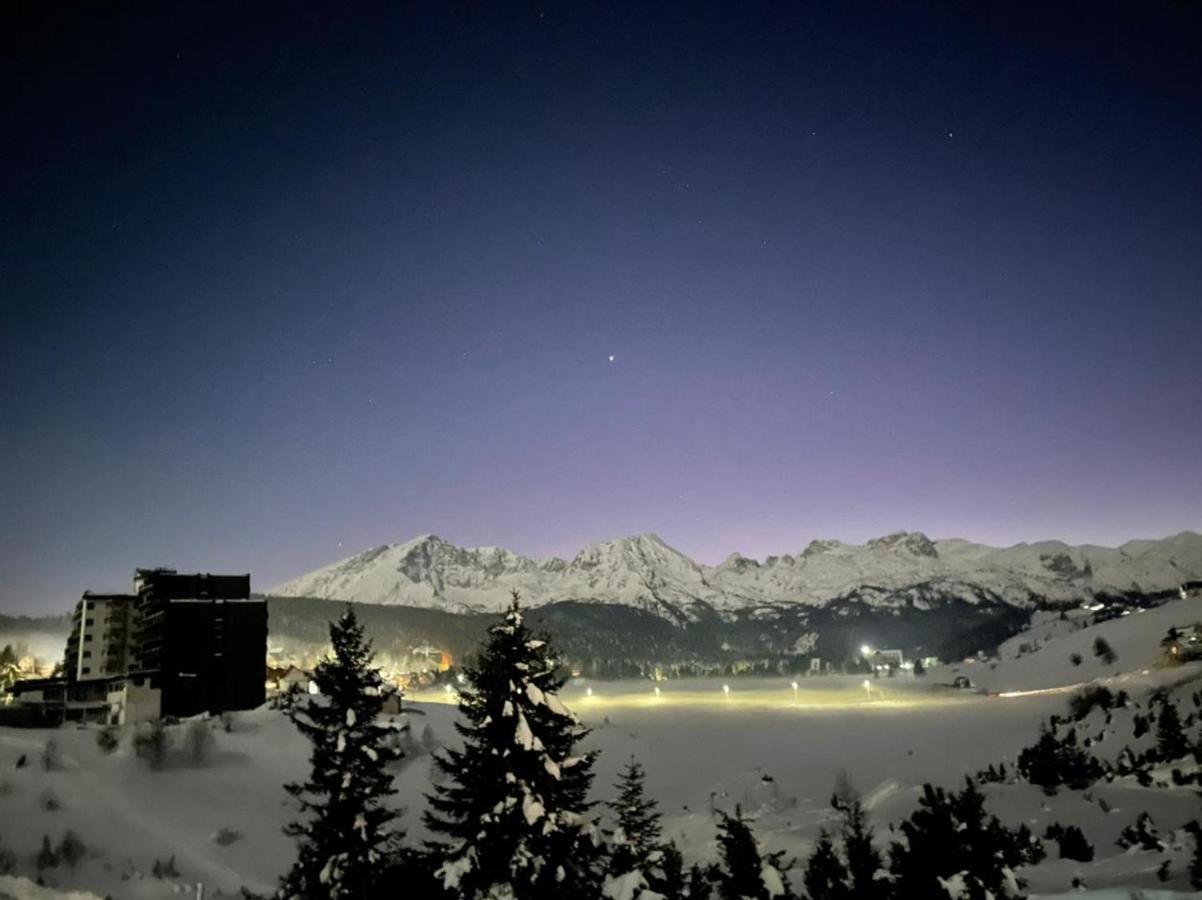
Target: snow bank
[[23, 889]]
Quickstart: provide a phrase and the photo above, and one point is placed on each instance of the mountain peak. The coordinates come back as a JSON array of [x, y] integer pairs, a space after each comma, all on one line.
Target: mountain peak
[[643, 571], [914, 542]]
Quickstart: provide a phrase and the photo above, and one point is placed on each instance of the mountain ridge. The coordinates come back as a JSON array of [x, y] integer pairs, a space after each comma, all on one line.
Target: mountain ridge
[[902, 568]]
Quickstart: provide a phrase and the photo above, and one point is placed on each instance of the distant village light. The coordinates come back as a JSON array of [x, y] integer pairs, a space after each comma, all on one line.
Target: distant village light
[[865, 650], [726, 689]]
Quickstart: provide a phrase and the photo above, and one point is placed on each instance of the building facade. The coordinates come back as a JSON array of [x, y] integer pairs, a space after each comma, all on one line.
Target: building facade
[[200, 640], [179, 645], [99, 644]]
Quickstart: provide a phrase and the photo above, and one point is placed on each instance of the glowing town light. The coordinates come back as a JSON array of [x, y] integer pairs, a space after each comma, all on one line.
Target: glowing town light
[[657, 692], [450, 690], [726, 689], [588, 692], [865, 650], [794, 686], [461, 678]]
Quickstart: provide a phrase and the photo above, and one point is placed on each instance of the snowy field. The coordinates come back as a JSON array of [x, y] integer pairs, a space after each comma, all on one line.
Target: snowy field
[[773, 750]]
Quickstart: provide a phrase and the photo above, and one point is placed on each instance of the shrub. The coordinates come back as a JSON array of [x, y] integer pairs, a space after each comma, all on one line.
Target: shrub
[[1071, 842], [428, 741], [71, 849], [1142, 834], [46, 857], [51, 759], [1082, 703], [198, 743], [108, 738], [1103, 651], [992, 774], [151, 743], [1195, 862], [1053, 761]]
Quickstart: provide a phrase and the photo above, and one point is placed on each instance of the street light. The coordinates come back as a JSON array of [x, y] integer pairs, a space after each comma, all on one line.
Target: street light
[[868, 688], [588, 692], [726, 690], [657, 691], [865, 650], [794, 691]]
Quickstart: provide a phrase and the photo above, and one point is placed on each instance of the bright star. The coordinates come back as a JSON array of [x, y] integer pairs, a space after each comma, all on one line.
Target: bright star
[[611, 358]]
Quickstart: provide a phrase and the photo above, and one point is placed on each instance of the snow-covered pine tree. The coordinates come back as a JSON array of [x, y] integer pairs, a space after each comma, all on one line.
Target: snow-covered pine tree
[[952, 849], [513, 806], [345, 839], [638, 834], [743, 872], [639, 859], [825, 875], [1195, 860], [863, 858], [1171, 742]]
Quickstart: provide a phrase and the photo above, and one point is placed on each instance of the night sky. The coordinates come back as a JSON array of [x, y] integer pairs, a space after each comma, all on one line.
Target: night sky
[[282, 283]]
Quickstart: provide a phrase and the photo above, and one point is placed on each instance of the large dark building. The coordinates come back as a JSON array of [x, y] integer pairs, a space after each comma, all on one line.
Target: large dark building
[[200, 640], [178, 646]]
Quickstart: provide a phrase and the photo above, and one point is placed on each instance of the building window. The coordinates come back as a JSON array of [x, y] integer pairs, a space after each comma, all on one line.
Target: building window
[[87, 637], [87, 654], [85, 671], [89, 621]]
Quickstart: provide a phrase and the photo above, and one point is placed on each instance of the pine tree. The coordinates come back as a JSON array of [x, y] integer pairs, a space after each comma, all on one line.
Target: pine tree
[[513, 804], [674, 881], [825, 876], [636, 844], [1171, 742], [863, 859], [345, 840], [948, 838], [743, 872], [1195, 861]]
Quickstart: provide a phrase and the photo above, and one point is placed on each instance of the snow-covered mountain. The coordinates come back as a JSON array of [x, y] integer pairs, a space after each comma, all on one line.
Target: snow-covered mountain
[[645, 572]]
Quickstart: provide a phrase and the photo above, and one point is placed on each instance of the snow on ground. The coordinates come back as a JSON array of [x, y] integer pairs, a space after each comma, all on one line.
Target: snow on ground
[[1041, 657], [774, 752], [12, 888]]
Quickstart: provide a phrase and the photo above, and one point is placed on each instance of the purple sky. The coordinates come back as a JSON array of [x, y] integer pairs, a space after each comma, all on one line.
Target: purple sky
[[276, 289]]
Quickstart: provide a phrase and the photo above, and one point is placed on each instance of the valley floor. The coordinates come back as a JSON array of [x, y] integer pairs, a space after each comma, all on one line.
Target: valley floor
[[774, 752]]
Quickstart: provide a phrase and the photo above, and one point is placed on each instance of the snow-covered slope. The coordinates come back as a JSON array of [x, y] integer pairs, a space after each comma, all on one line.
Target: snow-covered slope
[[644, 571]]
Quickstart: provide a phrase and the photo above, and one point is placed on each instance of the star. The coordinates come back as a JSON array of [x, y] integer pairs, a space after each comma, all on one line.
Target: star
[[611, 357]]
